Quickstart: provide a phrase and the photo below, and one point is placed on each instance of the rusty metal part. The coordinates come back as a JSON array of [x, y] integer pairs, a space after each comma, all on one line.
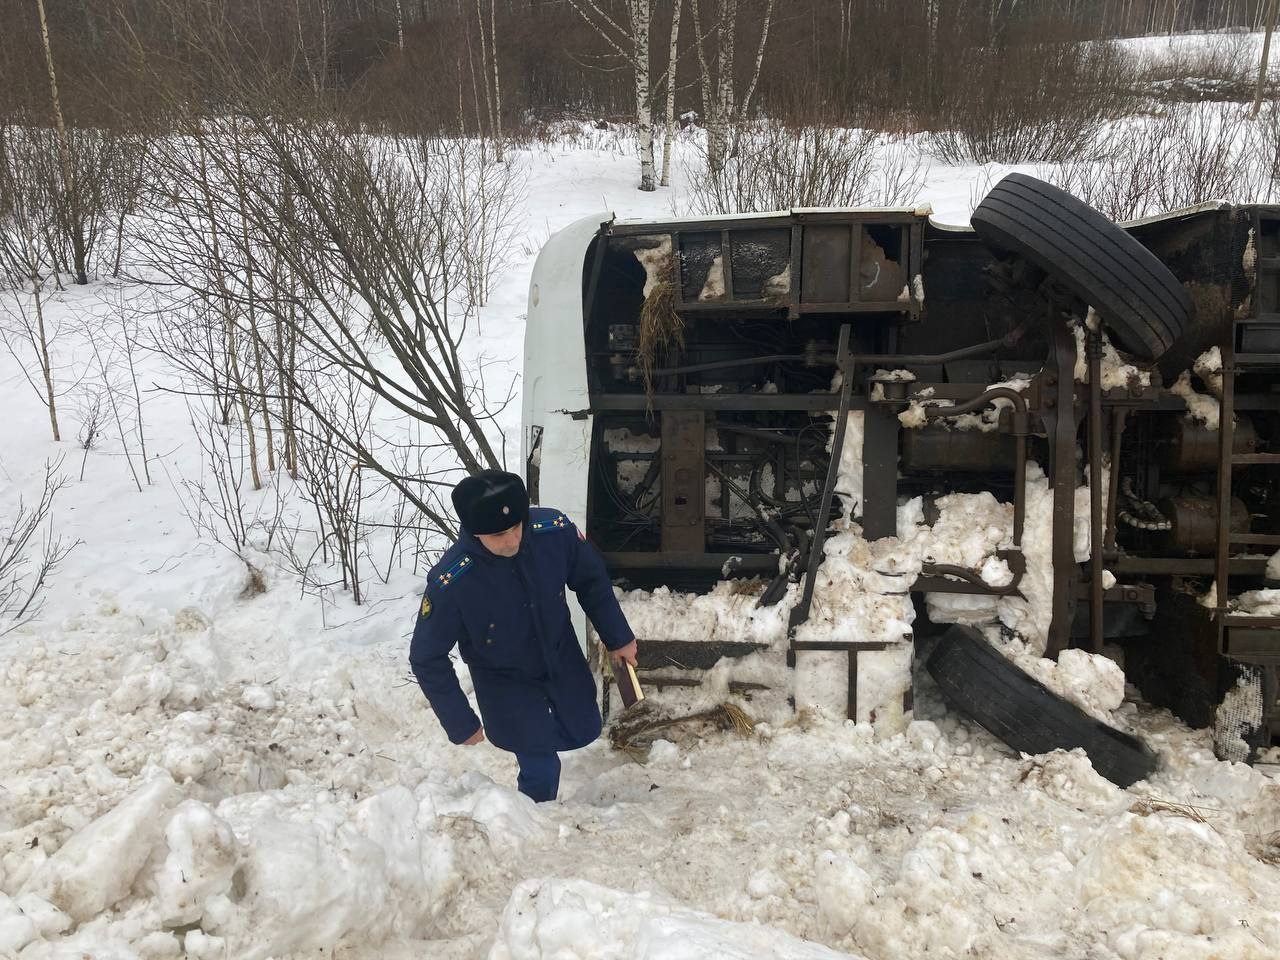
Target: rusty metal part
[[1058, 415], [1190, 447], [1194, 522], [1118, 417], [1020, 431], [691, 654], [949, 578], [736, 402], [932, 359], [683, 480], [880, 428], [800, 612], [1094, 354], [851, 650], [808, 359], [631, 562], [937, 449], [1185, 566]]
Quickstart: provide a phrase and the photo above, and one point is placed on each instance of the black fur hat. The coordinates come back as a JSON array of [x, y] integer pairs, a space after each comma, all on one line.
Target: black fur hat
[[491, 501]]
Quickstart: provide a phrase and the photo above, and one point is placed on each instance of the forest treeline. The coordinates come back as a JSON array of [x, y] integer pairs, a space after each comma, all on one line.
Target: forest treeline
[[447, 66]]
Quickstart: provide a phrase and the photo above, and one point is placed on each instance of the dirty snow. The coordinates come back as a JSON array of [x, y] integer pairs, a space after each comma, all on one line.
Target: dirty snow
[[1116, 373], [987, 419], [713, 288], [1208, 367], [1258, 603], [656, 260], [1200, 406]]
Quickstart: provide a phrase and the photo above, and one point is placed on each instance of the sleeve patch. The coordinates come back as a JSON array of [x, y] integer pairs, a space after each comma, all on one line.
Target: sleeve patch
[[426, 607]]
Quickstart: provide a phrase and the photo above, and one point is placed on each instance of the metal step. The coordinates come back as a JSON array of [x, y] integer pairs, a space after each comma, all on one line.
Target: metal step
[[691, 654], [1260, 539], [1251, 641], [1255, 360]]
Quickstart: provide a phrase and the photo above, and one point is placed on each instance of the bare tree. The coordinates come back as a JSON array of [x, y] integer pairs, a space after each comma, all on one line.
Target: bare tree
[[630, 41], [352, 250], [335, 487], [781, 167], [670, 129], [23, 222], [492, 87], [64, 151], [1272, 7], [721, 107], [91, 422], [25, 563]]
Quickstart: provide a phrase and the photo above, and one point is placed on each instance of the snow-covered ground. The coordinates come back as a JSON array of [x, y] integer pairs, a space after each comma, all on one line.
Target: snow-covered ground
[[192, 769]]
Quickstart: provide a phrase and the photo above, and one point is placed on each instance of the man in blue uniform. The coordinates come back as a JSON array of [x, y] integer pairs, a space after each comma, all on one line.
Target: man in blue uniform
[[498, 594]]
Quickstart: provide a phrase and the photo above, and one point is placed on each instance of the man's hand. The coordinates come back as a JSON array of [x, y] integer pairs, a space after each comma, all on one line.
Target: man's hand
[[477, 737], [627, 653]]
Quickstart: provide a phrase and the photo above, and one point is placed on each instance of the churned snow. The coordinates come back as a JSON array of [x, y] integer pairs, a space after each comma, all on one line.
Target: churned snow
[[1200, 406], [345, 819], [1116, 372]]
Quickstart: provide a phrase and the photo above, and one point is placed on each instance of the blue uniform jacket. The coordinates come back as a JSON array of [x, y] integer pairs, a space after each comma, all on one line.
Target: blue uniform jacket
[[510, 622]]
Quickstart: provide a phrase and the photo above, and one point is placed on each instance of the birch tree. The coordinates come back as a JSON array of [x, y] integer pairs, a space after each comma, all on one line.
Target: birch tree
[[630, 41], [672, 58], [721, 106], [492, 90], [1266, 51], [23, 223]]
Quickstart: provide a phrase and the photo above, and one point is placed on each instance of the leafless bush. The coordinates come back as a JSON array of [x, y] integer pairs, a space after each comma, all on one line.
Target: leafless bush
[[1221, 67], [111, 390], [772, 167], [480, 202], [122, 329], [901, 172], [335, 488], [1027, 103], [27, 563], [1189, 154], [218, 502], [303, 249], [25, 265], [88, 190], [92, 420]]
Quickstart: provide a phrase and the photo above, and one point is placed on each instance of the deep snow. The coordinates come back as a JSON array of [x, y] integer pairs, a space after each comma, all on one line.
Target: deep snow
[[187, 770]]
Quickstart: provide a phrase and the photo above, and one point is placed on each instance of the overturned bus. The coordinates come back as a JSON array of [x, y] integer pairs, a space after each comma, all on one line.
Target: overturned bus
[[886, 438]]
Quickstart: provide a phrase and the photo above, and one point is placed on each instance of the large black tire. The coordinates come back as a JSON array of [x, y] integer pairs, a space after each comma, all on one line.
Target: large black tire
[[1026, 714], [1140, 300]]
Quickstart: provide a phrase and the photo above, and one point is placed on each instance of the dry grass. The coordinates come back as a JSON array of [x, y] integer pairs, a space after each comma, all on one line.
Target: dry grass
[[1267, 849], [635, 733], [661, 327], [254, 583], [1148, 805]]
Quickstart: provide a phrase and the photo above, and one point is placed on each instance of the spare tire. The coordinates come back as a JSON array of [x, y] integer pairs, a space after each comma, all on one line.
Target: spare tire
[[1024, 713], [1140, 300]]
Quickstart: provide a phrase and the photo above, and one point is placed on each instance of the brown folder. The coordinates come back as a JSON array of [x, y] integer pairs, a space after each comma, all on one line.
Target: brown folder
[[624, 675]]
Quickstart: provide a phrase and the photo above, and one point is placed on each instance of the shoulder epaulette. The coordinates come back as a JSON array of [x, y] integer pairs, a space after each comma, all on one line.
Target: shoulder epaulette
[[456, 569], [558, 522]]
